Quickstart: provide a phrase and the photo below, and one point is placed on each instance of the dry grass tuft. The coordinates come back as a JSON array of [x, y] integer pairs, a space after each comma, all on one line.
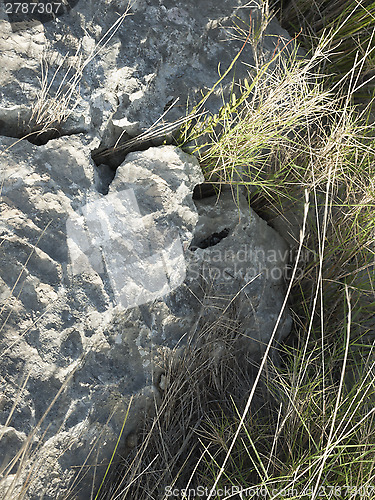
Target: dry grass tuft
[[205, 386]]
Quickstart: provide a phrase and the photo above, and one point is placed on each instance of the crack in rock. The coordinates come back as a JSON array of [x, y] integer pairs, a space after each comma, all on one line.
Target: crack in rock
[[211, 240]]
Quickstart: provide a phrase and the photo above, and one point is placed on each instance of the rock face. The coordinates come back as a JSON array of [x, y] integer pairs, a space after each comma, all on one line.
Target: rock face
[[100, 279], [117, 75], [74, 326]]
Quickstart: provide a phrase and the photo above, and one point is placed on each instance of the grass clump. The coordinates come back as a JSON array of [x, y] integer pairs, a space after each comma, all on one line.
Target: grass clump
[[183, 443], [347, 24], [59, 93]]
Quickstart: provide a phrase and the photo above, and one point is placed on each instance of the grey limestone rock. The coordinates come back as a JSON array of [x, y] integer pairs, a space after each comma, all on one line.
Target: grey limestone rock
[[112, 78], [72, 328], [64, 325]]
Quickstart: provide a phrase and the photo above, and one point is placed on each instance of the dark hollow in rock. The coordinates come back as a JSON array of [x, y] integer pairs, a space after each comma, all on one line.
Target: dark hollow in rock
[[205, 190], [115, 155], [40, 138], [211, 240]]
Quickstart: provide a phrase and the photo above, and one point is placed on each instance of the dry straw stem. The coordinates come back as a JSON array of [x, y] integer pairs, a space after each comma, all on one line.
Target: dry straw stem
[[265, 355]]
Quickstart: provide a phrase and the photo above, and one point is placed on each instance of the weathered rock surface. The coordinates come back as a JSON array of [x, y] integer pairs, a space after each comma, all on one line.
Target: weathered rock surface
[[68, 324], [96, 289], [111, 78]]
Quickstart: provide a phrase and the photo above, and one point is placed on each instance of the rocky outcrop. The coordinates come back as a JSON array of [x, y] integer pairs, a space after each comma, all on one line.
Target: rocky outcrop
[[93, 70], [76, 327], [103, 273]]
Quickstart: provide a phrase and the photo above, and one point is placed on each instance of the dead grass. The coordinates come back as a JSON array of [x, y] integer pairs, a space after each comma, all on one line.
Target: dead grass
[[181, 444]]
